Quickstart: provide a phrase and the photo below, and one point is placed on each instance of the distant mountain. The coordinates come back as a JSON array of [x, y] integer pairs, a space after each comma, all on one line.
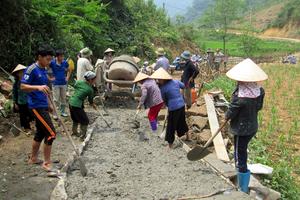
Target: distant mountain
[[174, 7], [197, 9]]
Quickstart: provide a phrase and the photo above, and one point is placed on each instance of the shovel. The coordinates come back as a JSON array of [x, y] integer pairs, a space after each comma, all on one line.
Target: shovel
[[16, 130], [83, 169], [163, 132], [199, 152], [108, 125], [136, 114], [99, 99], [136, 123]]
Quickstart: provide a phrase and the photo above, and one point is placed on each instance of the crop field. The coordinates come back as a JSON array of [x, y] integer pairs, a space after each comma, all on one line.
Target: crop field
[[277, 142], [233, 45]]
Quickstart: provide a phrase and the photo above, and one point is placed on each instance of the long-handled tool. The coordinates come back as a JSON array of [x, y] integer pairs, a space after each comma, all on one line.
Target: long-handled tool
[[163, 132], [83, 169], [108, 125], [199, 152], [98, 99], [16, 130], [135, 123], [136, 114], [10, 76]]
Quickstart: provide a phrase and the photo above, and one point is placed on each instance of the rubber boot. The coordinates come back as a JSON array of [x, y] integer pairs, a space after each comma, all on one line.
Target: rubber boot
[[243, 181], [83, 130], [62, 110], [153, 125], [75, 129]]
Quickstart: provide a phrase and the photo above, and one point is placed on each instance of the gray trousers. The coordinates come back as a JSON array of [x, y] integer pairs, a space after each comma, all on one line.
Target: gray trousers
[[60, 95]]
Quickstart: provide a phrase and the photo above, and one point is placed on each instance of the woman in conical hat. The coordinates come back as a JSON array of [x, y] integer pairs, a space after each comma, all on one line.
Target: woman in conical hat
[[247, 100], [20, 100], [151, 98], [170, 91]]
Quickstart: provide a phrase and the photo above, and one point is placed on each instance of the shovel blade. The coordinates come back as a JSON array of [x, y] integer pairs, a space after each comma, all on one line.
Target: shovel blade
[[163, 134], [197, 153]]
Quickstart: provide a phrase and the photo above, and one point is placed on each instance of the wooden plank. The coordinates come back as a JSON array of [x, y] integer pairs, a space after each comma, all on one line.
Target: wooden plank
[[225, 169], [214, 125]]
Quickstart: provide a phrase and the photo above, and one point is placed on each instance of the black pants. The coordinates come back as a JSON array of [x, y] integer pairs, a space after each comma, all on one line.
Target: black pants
[[44, 127], [79, 116], [240, 152], [25, 116], [176, 122]]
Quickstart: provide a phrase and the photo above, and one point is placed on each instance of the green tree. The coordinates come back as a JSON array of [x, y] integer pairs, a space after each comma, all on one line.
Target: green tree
[[221, 14]]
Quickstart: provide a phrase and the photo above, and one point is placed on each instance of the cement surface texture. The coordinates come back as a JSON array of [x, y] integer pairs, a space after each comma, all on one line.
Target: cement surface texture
[[121, 166]]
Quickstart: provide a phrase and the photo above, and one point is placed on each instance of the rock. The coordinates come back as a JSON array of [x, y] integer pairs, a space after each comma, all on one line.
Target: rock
[[59, 192], [198, 121], [197, 111], [203, 137], [6, 87]]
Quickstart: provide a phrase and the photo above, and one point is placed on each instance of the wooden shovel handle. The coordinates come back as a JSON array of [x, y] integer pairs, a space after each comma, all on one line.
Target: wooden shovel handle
[[215, 134], [64, 126], [136, 113]]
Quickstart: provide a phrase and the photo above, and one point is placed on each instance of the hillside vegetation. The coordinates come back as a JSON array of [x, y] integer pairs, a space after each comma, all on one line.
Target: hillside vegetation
[[132, 26]]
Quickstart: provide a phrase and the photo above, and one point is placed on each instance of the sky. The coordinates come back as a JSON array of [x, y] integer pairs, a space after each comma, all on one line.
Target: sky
[[174, 7]]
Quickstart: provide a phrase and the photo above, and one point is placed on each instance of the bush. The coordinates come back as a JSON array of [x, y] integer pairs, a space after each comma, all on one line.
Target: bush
[[249, 44]]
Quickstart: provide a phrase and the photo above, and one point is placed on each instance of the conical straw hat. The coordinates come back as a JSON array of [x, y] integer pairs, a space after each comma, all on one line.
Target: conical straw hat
[[161, 73], [247, 71], [140, 76], [18, 68]]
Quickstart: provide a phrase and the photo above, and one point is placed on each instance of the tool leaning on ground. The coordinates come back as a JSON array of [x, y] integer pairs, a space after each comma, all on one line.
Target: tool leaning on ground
[[136, 114], [103, 118], [83, 169], [99, 99], [13, 125], [163, 132], [199, 152]]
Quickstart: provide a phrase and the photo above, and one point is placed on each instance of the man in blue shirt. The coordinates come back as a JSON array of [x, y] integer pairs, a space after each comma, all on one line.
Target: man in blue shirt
[[59, 68], [161, 61], [35, 82]]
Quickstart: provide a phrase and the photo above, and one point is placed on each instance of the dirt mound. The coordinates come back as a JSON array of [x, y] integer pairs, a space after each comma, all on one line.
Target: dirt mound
[[289, 30]]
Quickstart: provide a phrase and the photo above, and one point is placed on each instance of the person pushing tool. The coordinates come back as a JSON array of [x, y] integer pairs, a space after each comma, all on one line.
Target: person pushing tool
[[83, 89], [170, 91], [151, 98], [35, 82], [247, 100]]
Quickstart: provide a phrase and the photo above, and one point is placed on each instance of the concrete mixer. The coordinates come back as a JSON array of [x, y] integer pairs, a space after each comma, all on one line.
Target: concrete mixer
[[121, 72]]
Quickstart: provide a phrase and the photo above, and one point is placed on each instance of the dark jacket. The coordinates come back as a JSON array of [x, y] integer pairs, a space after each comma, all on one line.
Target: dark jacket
[[243, 114], [189, 71]]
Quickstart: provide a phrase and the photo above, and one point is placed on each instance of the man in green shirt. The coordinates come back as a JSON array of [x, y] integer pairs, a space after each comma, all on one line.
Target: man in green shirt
[[83, 89]]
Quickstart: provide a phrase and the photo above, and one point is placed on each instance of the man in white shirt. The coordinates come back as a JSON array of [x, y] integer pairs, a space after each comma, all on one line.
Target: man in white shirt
[[84, 63]]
